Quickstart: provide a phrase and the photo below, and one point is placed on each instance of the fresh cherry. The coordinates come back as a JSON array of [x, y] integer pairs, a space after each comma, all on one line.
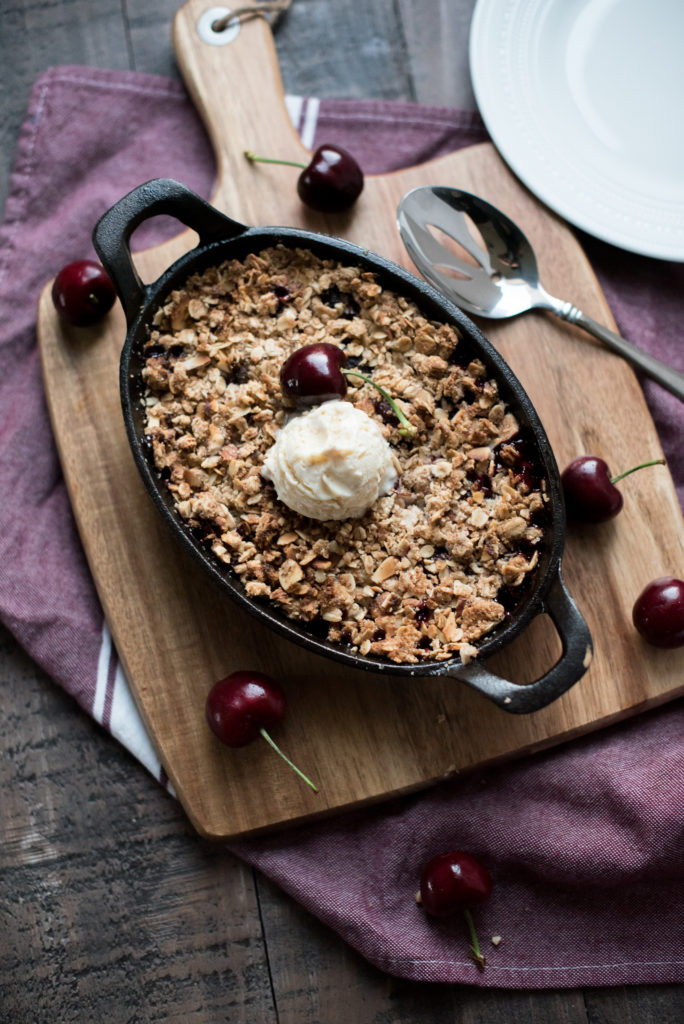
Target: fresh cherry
[[590, 492], [315, 373], [452, 882], [241, 707], [331, 182], [658, 612], [83, 292]]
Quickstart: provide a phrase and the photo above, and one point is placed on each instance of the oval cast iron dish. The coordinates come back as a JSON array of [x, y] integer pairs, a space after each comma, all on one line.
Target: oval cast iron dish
[[221, 238]]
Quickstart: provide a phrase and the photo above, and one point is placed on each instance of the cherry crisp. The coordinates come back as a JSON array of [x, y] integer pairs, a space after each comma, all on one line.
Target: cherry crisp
[[433, 566]]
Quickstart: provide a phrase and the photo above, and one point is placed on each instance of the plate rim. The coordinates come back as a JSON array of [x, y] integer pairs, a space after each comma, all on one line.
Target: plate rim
[[549, 190]]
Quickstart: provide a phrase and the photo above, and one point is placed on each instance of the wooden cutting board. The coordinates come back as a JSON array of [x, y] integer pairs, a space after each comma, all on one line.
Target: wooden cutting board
[[362, 737]]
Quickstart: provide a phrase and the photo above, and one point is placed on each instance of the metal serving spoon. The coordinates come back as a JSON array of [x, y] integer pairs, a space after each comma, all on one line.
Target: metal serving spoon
[[505, 279]]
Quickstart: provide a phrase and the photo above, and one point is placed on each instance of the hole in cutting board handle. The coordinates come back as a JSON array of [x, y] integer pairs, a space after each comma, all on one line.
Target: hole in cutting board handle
[[206, 31], [114, 229]]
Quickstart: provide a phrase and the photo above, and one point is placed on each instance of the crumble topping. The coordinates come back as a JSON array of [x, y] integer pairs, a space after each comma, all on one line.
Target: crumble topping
[[434, 565]]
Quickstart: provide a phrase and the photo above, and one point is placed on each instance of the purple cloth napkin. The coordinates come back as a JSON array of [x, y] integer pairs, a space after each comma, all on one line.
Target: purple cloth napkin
[[585, 842]]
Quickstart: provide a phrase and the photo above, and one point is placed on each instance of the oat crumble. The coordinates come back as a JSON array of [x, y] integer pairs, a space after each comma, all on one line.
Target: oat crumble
[[430, 568]]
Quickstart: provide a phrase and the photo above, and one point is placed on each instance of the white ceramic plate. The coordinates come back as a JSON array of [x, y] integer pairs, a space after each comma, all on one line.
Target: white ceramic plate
[[584, 99]]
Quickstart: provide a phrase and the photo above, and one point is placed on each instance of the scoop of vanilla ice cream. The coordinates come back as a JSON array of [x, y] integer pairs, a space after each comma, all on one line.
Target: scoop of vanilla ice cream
[[330, 462]]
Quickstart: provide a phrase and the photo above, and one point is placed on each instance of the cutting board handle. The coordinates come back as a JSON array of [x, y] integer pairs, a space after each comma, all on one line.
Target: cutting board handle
[[237, 89], [112, 232], [571, 666]]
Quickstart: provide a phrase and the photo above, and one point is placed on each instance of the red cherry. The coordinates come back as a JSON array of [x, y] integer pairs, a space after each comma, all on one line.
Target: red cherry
[[590, 497], [332, 182], [83, 292], [658, 612], [313, 374], [453, 881], [242, 706], [590, 494]]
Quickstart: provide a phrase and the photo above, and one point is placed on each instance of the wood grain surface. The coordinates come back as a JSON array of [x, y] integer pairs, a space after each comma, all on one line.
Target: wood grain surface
[[361, 737], [163, 926]]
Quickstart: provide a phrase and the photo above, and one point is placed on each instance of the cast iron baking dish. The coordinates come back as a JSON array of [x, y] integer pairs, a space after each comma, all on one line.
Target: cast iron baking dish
[[221, 238]]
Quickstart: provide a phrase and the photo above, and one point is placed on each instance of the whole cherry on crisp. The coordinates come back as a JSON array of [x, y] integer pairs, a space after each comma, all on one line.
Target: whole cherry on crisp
[[456, 881], [242, 706], [658, 612], [331, 182], [589, 489], [83, 292], [315, 373]]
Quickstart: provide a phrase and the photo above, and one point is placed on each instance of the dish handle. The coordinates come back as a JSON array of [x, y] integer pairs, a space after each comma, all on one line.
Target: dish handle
[[112, 233], [573, 663]]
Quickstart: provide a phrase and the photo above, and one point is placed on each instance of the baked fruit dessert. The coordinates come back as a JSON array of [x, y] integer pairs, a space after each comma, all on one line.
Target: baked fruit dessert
[[453, 532]]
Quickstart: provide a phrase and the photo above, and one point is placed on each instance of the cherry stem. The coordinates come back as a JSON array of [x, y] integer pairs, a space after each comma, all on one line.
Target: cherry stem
[[642, 465], [287, 760], [476, 952], [254, 159], [406, 429]]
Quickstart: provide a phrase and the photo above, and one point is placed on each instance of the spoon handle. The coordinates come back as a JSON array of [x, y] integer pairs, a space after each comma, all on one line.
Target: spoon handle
[[668, 378]]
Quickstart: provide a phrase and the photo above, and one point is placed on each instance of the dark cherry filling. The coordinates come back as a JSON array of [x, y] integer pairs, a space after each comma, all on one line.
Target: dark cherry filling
[[155, 350], [318, 628], [239, 374], [509, 598], [332, 296], [518, 456], [379, 635], [204, 532], [159, 352], [527, 547], [474, 389], [480, 482], [423, 613], [283, 295], [384, 411], [512, 597]]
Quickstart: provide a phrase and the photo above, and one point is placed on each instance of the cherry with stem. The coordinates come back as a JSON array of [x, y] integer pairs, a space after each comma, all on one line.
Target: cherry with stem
[[331, 182], [245, 705], [452, 882], [590, 492], [316, 373]]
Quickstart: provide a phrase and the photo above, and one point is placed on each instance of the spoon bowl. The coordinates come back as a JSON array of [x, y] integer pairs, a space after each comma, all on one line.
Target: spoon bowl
[[495, 275]]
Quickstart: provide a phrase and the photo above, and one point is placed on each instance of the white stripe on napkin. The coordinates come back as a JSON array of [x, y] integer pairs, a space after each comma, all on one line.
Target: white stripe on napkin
[[102, 674], [308, 129], [114, 708], [295, 105]]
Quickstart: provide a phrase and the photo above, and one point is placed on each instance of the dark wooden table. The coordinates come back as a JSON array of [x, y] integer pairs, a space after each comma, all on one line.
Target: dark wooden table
[[111, 908]]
